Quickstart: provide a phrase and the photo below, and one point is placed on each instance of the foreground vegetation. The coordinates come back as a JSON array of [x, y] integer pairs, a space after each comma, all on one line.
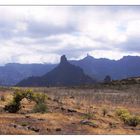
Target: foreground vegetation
[[19, 94], [100, 109]]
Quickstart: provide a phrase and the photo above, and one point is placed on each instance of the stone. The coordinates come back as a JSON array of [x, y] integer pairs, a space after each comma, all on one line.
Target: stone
[[63, 109], [71, 110], [71, 97], [89, 123], [27, 116], [34, 129], [58, 129]]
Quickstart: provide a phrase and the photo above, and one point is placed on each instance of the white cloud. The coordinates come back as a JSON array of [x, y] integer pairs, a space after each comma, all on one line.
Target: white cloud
[[42, 34]]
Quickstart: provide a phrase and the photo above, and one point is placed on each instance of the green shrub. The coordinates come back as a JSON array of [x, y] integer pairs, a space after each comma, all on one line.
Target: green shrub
[[13, 107], [122, 111], [123, 114], [41, 107], [19, 94], [39, 98], [127, 118], [133, 121]]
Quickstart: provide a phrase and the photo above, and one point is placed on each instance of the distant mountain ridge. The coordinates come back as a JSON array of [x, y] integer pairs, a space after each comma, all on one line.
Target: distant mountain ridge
[[65, 74], [128, 66], [12, 73]]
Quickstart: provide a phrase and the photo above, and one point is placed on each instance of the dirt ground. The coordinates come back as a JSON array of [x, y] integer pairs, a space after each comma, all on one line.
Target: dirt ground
[[69, 113]]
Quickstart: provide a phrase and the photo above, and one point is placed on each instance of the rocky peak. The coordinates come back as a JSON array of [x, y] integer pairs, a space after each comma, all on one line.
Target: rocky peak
[[88, 57], [63, 59]]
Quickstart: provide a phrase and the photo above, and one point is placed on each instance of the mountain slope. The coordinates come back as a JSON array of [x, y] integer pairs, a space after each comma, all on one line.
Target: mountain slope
[[12, 73], [128, 66], [65, 74]]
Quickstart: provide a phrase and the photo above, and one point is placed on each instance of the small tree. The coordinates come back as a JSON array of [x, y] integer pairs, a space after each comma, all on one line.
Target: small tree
[[107, 79], [38, 98], [15, 105]]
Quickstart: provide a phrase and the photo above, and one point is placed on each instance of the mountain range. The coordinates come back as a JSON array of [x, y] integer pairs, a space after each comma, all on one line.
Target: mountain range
[[65, 74], [12, 73], [128, 66]]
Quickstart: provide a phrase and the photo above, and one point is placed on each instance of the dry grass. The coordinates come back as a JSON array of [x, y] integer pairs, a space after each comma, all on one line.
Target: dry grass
[[68, 107]]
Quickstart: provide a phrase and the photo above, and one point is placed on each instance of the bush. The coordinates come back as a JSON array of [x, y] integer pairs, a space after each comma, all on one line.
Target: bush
[[123, 114], [127, 118], [107, 79], [133, 121], [19, 94], [122, 111], [41, 107], [13, 107], [39, 98]]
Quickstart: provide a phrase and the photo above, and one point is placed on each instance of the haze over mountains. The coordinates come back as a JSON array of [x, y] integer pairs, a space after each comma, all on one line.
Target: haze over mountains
[[128, 66]]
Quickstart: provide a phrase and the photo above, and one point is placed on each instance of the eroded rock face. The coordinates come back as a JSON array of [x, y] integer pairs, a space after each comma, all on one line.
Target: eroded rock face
[[63, 59]]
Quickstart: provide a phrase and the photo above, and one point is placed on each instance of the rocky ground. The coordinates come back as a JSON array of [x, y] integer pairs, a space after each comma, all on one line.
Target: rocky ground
[[65, 116]]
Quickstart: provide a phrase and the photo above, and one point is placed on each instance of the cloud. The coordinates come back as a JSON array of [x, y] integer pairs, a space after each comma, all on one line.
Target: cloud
[[36, 34], [132, 45], [40, 29]]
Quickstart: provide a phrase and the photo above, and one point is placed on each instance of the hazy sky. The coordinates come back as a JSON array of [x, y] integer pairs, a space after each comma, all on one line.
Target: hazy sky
[[42, 34]]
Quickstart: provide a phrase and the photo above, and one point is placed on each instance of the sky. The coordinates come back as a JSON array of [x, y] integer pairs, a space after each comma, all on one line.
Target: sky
[[41, 34]]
